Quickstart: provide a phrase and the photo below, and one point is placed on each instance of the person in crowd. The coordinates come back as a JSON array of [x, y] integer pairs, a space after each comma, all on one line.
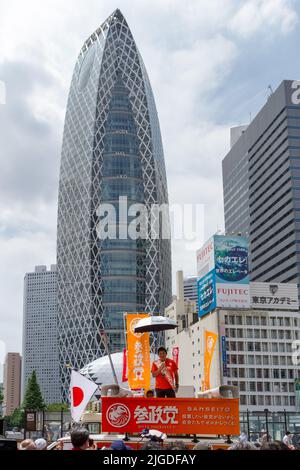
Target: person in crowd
[[201, 446], [243, 437], [49, 433], [288, 440], [166, 376], [119, 445], [80, 439], [150, 445], [274, 445], [27, 444], [59, 446], [265, 438], [41, 444], [242, 445], [149, 394], [176, 445], [92, 445]]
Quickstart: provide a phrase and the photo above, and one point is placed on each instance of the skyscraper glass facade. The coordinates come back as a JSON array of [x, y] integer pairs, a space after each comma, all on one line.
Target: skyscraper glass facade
[[111, 148], [123, 260]]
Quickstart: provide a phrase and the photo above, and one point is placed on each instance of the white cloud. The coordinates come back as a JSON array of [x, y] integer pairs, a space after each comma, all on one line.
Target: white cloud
[[19, 254], [259, 16]]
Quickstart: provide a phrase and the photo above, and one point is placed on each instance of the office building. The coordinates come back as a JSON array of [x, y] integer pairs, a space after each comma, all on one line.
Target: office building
[[40, 345], [253, 350], [261, 184], [190, 289], [11, 383]]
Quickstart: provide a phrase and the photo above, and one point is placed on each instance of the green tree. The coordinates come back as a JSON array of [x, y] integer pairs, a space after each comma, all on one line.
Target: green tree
[[57, 407], [33, 398], [17, 419]]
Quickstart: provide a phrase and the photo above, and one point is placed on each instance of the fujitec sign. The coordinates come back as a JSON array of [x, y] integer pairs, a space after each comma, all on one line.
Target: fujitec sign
[[178, 416]]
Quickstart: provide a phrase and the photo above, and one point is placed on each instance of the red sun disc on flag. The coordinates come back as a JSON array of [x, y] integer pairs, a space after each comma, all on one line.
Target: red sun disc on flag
[[77, 396]]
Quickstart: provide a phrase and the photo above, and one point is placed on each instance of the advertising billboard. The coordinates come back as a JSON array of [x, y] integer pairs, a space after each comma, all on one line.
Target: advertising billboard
[[227, 283], [205, 258], [266, 295], [231, 259], [207, 294]]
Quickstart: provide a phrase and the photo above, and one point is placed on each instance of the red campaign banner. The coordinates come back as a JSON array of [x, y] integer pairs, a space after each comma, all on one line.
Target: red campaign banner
[[171, 416], [124, 371], [175, 354]]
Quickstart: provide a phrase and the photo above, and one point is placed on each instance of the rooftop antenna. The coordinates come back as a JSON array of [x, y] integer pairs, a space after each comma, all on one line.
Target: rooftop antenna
[[270, 90]]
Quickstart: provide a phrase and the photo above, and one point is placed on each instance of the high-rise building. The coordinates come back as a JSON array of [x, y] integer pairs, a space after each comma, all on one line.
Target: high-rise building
[[11, 383], [1, 403], [182, 310], [112, 148], [261, 181], [190, 289], [40, 348]]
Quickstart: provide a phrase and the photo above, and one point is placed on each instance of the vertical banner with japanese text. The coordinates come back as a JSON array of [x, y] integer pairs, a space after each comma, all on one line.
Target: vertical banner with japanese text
[[138, 353], [210, 341], [175, 354]]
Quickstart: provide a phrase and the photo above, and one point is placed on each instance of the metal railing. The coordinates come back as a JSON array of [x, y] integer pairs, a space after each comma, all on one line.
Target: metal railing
[[53, 425]]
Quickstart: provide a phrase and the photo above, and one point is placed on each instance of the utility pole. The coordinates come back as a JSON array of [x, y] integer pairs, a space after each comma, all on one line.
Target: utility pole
[[106, 345]]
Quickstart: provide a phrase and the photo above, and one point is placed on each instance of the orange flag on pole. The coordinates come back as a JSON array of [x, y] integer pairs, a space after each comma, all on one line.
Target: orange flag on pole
[[210, 341], [138, 353]]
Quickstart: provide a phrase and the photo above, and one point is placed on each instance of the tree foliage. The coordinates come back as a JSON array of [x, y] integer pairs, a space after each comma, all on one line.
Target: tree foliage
[[57, 407], [17, 419], [33, 398]]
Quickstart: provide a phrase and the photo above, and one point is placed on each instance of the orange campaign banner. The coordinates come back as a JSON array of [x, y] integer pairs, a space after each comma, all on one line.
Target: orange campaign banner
[[171, 416], [138, 353], [210, 341]]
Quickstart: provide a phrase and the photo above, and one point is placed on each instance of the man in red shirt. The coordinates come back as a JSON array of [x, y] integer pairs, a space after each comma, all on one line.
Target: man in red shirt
[[165, 372]]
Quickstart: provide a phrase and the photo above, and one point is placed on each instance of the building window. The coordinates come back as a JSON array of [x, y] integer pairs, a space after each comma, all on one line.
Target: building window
[[243, 400]]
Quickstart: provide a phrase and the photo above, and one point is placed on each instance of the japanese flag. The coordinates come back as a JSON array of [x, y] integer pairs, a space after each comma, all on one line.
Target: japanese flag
[[82, 390]]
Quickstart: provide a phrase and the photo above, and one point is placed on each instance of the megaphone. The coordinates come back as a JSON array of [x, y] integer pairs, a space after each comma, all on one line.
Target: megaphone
[[114, 390], [224, 391]]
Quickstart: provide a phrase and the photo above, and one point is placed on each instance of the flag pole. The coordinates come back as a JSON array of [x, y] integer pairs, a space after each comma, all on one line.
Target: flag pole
[[106, 345]]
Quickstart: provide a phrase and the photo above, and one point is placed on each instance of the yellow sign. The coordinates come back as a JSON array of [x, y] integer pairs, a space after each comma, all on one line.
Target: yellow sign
[[138, 353], [210, 340]]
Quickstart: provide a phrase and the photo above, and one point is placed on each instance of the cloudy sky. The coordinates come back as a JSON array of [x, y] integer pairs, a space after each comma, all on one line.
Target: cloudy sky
[[210, 64]]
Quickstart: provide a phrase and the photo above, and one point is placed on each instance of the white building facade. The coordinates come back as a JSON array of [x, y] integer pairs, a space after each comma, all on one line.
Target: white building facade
[[254, 350]]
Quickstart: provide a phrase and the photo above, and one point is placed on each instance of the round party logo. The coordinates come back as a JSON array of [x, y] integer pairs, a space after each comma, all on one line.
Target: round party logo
[[133, 324], [118, 415], [210, 343]]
